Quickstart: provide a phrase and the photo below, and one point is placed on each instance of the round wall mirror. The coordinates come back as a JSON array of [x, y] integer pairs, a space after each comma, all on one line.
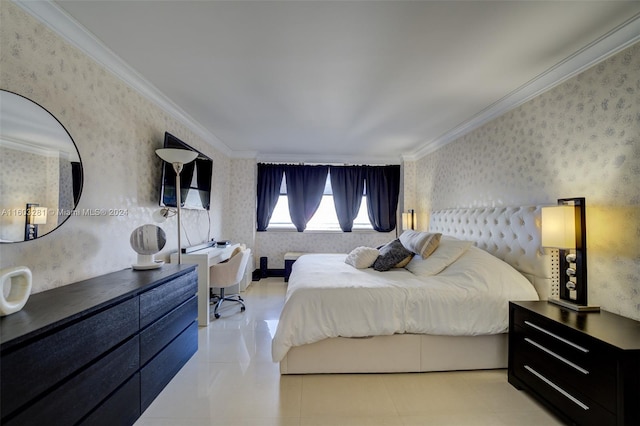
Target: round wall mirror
[[40, 170]]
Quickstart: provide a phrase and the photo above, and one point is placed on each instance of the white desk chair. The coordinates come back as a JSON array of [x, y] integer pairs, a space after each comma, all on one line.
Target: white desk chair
[[227, 274]]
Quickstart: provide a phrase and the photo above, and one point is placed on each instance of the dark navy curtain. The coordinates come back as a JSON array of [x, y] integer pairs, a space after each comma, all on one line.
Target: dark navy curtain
[[269, 182], [347, 185], [305, 186], [383, 188]]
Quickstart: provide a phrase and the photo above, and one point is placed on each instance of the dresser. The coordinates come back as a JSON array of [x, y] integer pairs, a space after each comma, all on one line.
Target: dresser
[[583, 366], [97, 351]]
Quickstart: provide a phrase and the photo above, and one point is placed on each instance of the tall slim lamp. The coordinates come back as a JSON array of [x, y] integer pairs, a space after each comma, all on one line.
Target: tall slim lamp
[[409, 219], [564, 228], [35, 216], [178, 158]]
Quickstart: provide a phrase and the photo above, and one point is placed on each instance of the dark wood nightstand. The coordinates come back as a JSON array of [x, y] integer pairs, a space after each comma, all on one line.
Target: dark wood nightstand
[[583, 366]]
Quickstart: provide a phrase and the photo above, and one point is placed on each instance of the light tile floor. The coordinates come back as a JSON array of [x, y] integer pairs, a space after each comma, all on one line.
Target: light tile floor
[[232, 381]]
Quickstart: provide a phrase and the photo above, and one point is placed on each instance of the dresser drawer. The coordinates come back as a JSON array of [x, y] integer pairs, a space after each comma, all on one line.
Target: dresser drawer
[[122, 408], [30, 370], [160, 333], [591, 381], [567, 343], [158, 301], [577, 406], [75, 398], [161, 369]]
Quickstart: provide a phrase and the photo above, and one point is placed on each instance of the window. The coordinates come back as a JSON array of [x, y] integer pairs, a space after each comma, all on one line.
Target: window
[[324, 219]]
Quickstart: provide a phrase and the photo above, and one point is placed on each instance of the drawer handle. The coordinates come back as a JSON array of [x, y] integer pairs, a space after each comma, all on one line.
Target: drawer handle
[[555, 355], [537, 327], [558, 388]]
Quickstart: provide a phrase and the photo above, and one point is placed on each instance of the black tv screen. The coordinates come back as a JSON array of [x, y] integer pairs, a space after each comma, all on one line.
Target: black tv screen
[[195, 179]]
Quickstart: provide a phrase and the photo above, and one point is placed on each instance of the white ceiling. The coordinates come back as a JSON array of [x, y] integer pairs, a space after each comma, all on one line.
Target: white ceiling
[[350, 81]]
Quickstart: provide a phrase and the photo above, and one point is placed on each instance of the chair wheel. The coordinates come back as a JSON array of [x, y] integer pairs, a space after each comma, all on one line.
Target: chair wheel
[[217, 316]]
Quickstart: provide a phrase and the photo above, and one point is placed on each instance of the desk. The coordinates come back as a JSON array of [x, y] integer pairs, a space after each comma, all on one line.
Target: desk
[[205, 258]]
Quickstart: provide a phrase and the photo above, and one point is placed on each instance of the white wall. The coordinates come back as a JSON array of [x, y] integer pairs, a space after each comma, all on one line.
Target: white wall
[[116, 131], [580, 139]]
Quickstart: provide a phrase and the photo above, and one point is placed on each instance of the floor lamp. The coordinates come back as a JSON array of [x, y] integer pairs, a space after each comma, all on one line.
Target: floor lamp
[[178, 158]]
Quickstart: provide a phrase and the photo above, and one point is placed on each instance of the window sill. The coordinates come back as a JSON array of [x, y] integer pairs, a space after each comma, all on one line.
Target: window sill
[[320, 231]]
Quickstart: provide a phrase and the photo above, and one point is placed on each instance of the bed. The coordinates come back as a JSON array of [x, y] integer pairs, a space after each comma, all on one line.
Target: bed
[[421, 317]]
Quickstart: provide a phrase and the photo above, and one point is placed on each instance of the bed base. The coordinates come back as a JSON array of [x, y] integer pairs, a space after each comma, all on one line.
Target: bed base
[[509, 233], [400, 353]]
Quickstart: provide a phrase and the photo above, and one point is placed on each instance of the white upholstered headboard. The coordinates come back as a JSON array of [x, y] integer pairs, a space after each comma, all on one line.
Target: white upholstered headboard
[[509, 233]]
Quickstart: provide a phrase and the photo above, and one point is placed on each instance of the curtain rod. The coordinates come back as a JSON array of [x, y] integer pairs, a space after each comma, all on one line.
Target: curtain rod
[[288, 163]]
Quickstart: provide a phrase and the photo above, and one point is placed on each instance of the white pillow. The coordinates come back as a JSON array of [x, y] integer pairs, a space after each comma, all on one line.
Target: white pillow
[[421, 243], [448, 251], [362, 257]]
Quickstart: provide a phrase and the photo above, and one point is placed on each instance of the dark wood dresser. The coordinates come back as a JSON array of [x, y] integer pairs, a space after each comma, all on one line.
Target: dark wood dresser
[[583, 366], [97, 351]]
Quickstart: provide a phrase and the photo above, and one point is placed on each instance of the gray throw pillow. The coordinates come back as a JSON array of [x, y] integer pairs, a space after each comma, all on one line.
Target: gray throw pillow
[[391, 254]]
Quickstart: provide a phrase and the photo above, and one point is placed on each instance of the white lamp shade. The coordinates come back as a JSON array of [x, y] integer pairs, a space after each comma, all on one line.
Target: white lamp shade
[[173, 155], [407, 221], [38, 215], [559, 226]]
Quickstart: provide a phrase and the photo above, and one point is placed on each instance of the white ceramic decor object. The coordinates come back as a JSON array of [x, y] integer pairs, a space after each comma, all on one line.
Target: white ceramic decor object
[[15, 284]]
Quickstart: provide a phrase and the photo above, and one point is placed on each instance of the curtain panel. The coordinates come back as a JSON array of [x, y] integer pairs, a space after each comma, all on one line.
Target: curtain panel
[[383, 190], [269, 182], [347, 185], [305, 186]]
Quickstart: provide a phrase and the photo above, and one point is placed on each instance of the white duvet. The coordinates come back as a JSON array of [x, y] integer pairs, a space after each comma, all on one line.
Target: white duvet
[[328, 298]]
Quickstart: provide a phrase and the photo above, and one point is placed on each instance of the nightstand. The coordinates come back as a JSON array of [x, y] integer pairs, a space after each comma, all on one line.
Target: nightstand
[[583, 366]]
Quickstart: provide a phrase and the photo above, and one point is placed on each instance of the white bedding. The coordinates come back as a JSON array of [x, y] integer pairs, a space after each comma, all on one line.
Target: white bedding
[[328, 298]]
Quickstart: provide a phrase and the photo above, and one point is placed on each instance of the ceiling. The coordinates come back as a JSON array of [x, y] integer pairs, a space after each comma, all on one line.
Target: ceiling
[[347, 81]]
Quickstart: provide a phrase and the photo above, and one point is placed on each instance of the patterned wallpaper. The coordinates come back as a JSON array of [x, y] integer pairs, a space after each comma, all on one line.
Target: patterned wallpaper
[[274, 245], [26, 178], [116, 131], [580, 139]]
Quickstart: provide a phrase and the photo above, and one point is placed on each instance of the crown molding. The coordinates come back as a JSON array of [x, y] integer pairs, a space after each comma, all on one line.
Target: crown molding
[[327, 159], [597, 51], [77, 35]]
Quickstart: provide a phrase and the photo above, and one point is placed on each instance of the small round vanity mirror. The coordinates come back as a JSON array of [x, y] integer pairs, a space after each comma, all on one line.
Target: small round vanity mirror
[[40, 170], [147, 240]]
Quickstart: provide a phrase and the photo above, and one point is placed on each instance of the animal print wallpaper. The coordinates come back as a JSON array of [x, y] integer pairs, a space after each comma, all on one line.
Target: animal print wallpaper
[[116, 131], [579, 139]]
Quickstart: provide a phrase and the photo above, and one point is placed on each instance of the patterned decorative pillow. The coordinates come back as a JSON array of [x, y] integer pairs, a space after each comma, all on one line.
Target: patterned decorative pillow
[[391, 255], [421, 243], [362, 257]]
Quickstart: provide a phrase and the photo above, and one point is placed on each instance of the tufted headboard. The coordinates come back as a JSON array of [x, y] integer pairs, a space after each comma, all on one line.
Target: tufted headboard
[[509, 233]]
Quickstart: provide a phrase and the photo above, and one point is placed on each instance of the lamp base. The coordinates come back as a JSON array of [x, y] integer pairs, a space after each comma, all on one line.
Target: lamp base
[[574, 306], [146, 266], [145, 262]]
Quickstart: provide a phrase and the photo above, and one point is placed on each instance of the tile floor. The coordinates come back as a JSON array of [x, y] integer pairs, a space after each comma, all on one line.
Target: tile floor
[[232, 381]]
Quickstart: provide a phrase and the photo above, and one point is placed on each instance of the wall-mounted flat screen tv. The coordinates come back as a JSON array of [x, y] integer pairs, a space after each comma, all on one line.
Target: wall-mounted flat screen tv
[[195, 179]]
